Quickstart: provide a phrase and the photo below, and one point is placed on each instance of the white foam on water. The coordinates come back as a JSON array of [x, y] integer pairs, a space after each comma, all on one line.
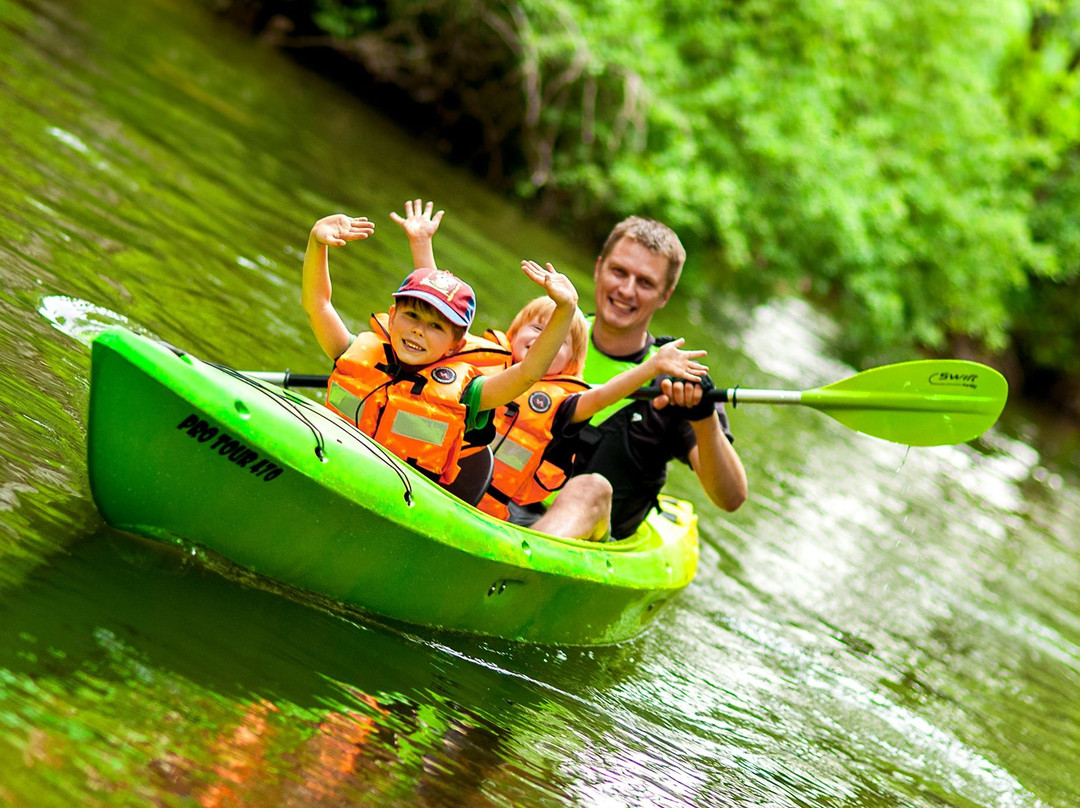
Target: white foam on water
[[80, 319]]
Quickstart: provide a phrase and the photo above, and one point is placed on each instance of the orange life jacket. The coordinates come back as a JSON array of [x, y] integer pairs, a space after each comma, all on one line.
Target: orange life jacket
[[523, 471], [416, 413]]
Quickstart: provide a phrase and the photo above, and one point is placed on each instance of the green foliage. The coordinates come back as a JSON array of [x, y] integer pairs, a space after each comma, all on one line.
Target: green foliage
[[344, 18], [1041, 86], [913, 164], [858, 148]]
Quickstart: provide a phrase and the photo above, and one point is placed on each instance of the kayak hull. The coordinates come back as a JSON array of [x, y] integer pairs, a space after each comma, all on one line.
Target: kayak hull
[[186, 452]]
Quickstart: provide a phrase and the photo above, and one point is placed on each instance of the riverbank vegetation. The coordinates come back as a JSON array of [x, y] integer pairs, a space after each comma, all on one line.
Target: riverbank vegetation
[[914, 166]]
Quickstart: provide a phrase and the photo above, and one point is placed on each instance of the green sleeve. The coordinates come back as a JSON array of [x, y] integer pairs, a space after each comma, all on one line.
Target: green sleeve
[[475, 418]]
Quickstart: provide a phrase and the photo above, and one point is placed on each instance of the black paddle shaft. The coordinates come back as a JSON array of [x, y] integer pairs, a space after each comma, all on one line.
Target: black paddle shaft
[[289, 379]]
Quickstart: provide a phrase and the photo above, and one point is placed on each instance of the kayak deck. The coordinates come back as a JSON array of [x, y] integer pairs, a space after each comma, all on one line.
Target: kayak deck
[[179, 449]]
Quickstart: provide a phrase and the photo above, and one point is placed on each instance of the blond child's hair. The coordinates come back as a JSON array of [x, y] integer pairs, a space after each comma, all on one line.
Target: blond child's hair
[[539, 309]]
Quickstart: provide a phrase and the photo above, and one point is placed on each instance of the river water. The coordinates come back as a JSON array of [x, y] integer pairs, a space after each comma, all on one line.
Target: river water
[[878, 626]]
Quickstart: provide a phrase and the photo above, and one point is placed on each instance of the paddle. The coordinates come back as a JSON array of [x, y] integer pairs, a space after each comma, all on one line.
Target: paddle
[[287, 378], [932, 402]]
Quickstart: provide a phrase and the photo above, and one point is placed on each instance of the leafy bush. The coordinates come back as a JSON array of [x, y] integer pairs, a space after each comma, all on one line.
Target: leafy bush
[[913, 164]]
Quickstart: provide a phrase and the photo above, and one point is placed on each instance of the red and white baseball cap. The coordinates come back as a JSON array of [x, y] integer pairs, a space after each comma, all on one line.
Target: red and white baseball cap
[[445, 291]]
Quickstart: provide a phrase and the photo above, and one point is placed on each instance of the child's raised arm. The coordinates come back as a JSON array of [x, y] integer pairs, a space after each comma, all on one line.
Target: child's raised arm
[[504, 387], [668, 360], [420, 226], [315, 291]]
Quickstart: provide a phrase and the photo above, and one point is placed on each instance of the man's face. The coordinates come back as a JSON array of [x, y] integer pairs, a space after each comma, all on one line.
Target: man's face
[[631, 284]]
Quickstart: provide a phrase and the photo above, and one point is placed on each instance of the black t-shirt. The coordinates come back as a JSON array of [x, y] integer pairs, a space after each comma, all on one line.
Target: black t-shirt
[[632, 449]]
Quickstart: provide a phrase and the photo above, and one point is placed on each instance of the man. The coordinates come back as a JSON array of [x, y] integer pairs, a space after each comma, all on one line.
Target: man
[[631, 444]]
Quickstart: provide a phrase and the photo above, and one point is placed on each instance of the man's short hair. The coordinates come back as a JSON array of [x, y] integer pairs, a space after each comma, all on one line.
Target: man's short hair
[[654, 236]]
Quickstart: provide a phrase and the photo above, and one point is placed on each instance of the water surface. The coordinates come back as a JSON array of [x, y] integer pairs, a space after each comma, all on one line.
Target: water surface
[[876, 627]]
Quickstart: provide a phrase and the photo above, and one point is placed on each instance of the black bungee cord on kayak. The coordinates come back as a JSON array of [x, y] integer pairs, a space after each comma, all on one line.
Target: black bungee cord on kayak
[[359, 436], [292, 406], [288, 404]]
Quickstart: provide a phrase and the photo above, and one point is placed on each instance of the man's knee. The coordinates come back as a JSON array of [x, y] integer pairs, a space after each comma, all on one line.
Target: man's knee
[[592, 488]]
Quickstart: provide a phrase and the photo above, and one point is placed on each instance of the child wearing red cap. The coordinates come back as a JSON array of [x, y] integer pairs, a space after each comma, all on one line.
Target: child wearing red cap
[[417, 382]]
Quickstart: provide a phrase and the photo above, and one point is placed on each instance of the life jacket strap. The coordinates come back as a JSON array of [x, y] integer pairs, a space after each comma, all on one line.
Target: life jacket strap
[[497, 495], [398, 372]]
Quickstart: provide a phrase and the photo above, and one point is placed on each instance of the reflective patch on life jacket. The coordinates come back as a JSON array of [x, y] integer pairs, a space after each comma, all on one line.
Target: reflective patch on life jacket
[[513, 454], [344, 401], [417, 427]]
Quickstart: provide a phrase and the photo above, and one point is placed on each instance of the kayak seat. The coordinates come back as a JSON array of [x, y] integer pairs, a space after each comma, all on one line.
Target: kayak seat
[[475, 476]]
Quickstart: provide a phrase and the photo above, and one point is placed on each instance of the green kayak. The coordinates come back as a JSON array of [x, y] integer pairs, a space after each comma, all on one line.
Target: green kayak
[[183, 451]]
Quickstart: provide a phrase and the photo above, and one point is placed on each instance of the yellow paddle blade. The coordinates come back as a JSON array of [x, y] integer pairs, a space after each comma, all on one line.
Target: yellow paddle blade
[[934, 402]]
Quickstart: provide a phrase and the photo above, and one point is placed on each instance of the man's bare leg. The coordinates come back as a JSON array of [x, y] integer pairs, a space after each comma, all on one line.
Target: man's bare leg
[[582, 509]]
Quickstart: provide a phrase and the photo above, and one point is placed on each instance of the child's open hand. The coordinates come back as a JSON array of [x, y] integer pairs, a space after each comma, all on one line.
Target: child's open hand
[[339, 229], [670, 361], [418, 223], [558, 286]]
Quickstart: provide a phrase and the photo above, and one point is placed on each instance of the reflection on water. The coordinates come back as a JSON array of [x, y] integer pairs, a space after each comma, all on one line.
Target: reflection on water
[[878, 626], [123, 660]]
